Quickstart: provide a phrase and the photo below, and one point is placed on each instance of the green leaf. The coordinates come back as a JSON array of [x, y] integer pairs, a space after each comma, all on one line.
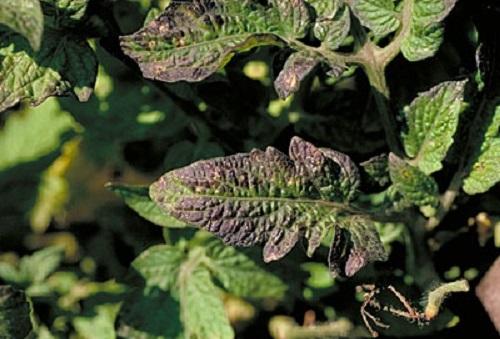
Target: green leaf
[[426, 29], [297, 67], [377, 168], [240, 275], [432, 120], [33, 134], [264, 196], [414, 186], [15, 310], [64, 13], [192, 40], [294, 17], [63, 65], [159, 265], [38, 266], [202, 310], [150, 314], [137, 198], [332, 23], [24, 17], [100, 324], [485, 172], [380, 16]]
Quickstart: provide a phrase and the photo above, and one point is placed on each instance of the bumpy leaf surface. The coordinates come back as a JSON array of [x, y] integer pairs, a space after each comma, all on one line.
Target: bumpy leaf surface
[[414, 186], [62, 65], [297, 67], [485, 172], [15, 321], [332, 23], [193, 39], [202, 310], [24, 17], [266, 197], [137, 198], [432, 120], [377, 169], [380, 16], [426, 28]]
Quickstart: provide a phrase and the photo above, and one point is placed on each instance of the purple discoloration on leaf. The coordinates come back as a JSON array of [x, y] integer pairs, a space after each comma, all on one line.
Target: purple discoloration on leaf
[[267, 197]]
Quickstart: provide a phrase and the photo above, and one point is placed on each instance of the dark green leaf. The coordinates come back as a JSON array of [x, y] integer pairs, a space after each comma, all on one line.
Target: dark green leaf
[[24, 17], [414, 186], [264, 196], [137, 198], [15, 310], [294, 17], [377, 169], [432, 120]]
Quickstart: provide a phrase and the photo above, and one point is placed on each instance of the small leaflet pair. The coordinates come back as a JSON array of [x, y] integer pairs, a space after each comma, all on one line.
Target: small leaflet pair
[[271, 198]]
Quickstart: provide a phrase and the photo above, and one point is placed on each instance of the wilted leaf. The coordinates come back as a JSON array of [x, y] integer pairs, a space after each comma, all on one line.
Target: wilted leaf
[[137, 198], [202, 310], [193, 39], [264, 196], [159, 265], [485, 172], [426, 29], [240, 276], [297, 67], [380, 16], [414, 186], [24, 17], [432, 120], [332, 23], [62, 65], [15, 310]]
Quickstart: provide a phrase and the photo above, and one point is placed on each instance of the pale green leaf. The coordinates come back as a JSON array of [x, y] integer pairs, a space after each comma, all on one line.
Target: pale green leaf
[[332, 23], [62, 65], [38, 266], [159, 265], [24, 17], [485, 172], [33, 133], [202, 310], [432, 120], [137, 198], [240, 275], [380, 16], [413, 186], [99, 324], [15, 310], [294, 17]]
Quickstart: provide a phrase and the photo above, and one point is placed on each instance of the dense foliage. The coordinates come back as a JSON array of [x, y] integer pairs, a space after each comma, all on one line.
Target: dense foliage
[[244, 168]]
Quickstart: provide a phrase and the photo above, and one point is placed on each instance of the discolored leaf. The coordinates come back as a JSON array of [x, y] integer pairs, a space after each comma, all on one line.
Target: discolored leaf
[[332, 23], [377, 168], [24, 17], [239, 274], [294, 17], [414, 186], [380, 16], [485, 171], [202, 310], [264, 196], [432, 120], [193, 39], [15, 310], [297, 67], [62, 65], [426, 29], [137, 198]]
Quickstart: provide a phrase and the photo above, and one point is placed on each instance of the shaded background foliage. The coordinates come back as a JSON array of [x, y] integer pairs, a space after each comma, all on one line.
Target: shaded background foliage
[[56, 158]]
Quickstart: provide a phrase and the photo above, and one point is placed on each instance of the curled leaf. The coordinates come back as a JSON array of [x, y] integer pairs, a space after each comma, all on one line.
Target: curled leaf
[[267, 197], [296, 68]]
